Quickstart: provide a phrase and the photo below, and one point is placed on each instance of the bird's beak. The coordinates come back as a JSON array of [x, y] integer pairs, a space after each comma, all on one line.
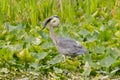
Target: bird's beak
[[46, 22]]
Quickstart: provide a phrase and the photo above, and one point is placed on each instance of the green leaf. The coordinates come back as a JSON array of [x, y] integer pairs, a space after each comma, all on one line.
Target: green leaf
[[57, 70], [107, 61], [5, 54], [89, 60], [99, 49], [56, 59], [112, 52], [36, 41], [24, 55], [42, 55], [113, 72], [84, 32], [117, 34], [87, 69], [4, 70]]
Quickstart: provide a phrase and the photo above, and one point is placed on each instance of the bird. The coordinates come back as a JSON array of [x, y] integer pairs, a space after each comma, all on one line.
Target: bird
[[65, 46]]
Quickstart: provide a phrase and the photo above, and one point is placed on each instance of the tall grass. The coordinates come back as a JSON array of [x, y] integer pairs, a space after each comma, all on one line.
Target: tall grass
[[33, 11]]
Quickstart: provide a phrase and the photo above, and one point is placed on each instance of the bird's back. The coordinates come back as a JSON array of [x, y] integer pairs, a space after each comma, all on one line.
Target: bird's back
[[69, 47]]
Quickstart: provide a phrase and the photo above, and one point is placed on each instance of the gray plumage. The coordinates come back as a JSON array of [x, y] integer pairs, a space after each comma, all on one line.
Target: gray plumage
[[69, 47], [65, 46]]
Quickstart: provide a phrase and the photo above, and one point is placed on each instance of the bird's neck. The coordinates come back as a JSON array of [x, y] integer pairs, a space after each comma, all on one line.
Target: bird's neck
[[52, 35]]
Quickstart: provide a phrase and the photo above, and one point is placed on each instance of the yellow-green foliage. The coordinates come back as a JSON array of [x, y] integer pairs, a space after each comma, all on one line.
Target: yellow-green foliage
[[27, 52]]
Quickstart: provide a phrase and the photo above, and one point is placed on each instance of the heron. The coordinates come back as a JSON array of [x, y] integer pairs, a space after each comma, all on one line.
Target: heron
[[65, 46]]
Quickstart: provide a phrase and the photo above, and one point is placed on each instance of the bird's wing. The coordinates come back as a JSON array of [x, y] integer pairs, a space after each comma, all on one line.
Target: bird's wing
[[66, 42], [69, 45]]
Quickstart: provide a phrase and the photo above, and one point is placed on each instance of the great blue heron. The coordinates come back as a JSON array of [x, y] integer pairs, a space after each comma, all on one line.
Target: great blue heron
[[65, 46]]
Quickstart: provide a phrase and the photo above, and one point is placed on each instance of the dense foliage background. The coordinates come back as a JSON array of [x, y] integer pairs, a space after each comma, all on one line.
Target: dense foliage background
[[27, 52]]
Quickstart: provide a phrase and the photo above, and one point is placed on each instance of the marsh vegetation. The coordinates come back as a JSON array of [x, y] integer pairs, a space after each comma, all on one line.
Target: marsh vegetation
[[28, 53]]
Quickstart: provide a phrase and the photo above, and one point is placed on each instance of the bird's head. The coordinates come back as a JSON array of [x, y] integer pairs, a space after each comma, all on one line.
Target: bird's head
[[54, 21]]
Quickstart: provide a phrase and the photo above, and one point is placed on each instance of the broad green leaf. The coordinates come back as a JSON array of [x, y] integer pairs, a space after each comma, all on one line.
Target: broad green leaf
[[25, 56], [107, 61], [89, 60], [99, 49], [36, 41], [57, 70], [112, 52], [42, 55], [117, 34], [56, 59], [84, 32], [5, 54]]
